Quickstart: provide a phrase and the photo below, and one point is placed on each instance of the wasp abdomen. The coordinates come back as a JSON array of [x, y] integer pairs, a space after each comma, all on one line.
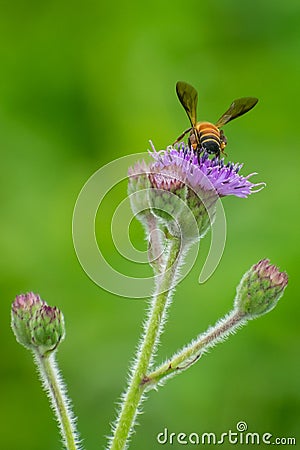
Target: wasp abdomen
[[209, 137], [205, 127]]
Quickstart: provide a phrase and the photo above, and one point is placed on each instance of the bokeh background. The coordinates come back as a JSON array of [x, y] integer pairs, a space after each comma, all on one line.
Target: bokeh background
[[83, 83]]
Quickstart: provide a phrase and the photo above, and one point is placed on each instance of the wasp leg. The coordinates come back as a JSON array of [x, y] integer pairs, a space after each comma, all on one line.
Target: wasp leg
[[181, 136], [223, 142], [194, 144]]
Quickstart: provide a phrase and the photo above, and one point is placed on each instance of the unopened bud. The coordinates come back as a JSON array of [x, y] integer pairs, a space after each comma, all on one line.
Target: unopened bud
[[260, 289], [23, 308], [36, 325], [47, 328]]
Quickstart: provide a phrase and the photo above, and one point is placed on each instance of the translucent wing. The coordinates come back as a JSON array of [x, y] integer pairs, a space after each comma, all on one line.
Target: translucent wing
[[188, 97], [237, 108]]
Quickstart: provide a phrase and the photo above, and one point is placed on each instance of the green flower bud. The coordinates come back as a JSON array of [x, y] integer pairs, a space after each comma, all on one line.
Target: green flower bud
[[36, 325], [47, 328], [23, 308], [203, 206], [164, 195], [260, 289]]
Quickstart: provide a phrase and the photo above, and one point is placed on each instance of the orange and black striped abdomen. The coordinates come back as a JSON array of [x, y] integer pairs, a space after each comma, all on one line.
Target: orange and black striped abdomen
[[209, 137]]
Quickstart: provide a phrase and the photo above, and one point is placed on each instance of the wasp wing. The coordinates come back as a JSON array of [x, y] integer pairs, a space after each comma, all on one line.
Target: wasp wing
[[188, 97], [237, 108]]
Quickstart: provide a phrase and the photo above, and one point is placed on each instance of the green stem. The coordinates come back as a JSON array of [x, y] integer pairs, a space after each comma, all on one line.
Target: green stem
[[155, 249], [152, 331], [192, 352], [56, 392]]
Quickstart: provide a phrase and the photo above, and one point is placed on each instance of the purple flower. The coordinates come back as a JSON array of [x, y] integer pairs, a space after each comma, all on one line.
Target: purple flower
[[201, 173], [178, 182]]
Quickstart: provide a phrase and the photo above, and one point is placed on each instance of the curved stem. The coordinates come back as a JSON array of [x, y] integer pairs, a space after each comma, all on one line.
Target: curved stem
[[192, 352], [56, 392], [152, 330]]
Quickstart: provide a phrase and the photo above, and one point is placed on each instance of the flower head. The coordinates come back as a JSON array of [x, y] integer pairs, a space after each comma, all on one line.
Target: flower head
[[178, 179], [260, 289], [202, 173]]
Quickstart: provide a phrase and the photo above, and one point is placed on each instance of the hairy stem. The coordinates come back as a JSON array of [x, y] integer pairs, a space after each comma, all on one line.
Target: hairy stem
[[192, 352], [152, 330], [56, 391], [155, 250]]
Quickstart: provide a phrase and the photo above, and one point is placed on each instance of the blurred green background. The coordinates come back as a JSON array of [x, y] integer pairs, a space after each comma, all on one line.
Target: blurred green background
[[82, 83]]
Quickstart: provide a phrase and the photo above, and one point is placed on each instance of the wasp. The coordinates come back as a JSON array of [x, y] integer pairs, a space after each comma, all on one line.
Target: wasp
[[206, 136]]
